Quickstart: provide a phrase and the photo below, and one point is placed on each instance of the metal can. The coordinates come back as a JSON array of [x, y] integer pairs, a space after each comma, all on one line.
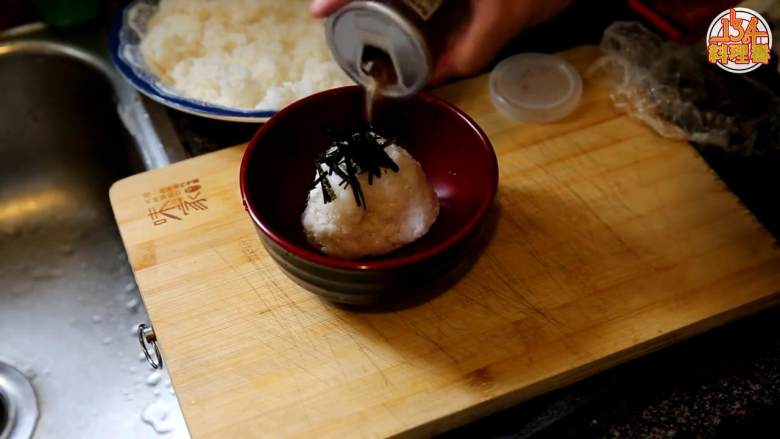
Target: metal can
[[396, 28]]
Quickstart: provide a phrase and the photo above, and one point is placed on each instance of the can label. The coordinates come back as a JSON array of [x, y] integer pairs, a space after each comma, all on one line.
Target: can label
[[424, 8]]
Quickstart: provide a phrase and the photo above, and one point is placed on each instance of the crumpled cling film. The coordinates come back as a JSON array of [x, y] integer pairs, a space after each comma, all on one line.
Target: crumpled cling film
[[674, 90]]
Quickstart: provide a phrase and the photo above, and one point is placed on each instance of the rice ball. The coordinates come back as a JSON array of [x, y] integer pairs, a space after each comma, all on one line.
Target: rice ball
[[400, 207]]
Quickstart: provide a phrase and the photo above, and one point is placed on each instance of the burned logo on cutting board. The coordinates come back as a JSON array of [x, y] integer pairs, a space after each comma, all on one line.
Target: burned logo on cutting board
[[175, 202]]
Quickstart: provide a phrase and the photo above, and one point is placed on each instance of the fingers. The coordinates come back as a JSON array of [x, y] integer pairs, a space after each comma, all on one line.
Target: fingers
[[476, 45], [493, 23], [323, 8]]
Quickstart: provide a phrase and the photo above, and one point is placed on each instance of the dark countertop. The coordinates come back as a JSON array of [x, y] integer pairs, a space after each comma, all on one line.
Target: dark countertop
[[725, 383]]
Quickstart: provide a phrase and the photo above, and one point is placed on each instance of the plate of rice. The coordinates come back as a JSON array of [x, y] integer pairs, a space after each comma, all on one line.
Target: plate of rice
[[237, 60]]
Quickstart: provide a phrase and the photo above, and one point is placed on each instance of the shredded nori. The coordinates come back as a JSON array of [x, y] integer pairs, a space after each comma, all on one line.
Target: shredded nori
[[349, 155]]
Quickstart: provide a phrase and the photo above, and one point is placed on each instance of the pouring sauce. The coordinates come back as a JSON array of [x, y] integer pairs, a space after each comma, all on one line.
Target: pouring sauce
[[379, 68]]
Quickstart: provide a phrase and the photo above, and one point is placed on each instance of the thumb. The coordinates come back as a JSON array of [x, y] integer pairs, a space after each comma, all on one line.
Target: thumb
[[323, 8]]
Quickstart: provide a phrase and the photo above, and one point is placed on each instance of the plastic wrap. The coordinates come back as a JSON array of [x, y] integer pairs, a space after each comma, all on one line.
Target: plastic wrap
[[673, 89]]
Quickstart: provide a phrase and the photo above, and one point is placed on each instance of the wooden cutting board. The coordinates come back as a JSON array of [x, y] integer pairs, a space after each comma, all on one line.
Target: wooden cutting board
[[610, 242]]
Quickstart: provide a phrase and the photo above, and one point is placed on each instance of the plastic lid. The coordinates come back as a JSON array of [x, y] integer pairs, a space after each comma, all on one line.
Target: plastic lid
[[534, 87]]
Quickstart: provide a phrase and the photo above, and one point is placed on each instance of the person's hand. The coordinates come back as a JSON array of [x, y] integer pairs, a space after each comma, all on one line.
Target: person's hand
[[323, 8], [492, 24]]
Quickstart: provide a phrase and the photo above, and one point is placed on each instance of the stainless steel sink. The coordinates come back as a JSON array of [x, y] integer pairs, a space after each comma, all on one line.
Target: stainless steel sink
[[69, 127]]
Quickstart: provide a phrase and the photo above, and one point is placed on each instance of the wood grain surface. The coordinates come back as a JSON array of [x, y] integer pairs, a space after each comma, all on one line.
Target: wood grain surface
[[610, 242]]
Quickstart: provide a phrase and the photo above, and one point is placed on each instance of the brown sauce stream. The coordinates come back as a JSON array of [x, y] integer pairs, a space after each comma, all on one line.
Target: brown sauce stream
[[378, 65]]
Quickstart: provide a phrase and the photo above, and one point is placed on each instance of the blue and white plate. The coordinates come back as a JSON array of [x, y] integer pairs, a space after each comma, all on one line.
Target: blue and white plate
[[125, 33]]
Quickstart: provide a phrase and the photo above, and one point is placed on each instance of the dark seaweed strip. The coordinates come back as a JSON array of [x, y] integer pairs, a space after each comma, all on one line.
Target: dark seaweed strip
[[354, 183], [351, 154], [328, 194]]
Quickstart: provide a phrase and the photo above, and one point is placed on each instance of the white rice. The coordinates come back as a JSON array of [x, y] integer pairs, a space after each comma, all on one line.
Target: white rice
[[400, 208], [251, 54]]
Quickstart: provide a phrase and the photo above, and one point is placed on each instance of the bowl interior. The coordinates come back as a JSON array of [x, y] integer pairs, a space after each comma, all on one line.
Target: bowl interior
[[456, 156]]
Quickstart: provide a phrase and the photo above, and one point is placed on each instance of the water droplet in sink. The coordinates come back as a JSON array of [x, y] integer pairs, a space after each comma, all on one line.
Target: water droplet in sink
[[153, 378], [130, 286], [133, 369], [141, 356], [29, 372], [156, 415], [97, 318], [132, 304], [106, 340], [156, 392]]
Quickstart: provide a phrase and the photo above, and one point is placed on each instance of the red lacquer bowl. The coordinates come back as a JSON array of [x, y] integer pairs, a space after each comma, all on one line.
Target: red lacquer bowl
[[278, 168]]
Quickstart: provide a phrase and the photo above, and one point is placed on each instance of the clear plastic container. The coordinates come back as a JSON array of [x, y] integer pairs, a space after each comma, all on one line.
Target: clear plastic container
[[535, 87]]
